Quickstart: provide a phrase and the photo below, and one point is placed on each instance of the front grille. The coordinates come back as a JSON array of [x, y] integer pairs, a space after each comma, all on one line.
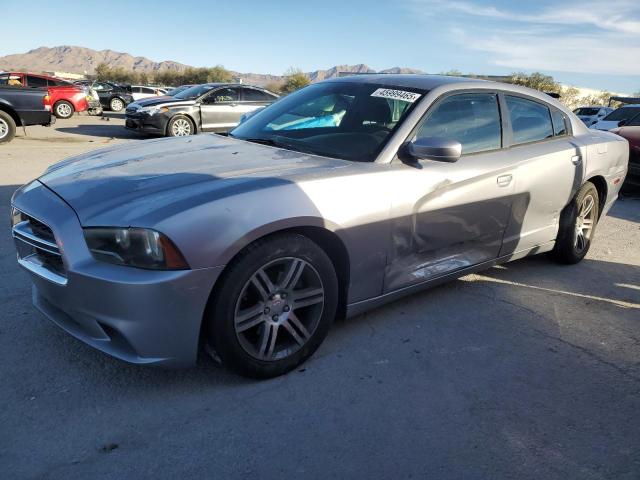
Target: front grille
[[37, 248]]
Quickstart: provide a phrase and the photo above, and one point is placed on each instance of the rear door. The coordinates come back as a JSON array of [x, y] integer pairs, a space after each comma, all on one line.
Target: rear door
[[220, 110], [549, 171], [451, 216]]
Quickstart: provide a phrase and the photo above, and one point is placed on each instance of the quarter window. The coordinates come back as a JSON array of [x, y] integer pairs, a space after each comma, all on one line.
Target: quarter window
[[559, 123], [530, 121], [472, 119]]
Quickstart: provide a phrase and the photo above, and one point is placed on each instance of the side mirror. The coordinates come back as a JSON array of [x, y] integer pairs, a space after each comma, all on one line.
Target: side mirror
[[434, 148]]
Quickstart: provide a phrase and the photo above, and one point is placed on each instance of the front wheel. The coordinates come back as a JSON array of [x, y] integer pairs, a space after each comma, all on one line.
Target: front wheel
[[578, 223], [116, 104], [180, 126], [273, 307]]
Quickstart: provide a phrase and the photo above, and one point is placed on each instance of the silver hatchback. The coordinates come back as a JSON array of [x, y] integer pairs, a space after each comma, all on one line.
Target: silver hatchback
[[340, 197]]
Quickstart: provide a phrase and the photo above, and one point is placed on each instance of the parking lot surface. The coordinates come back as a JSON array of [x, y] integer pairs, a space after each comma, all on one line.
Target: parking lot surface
[[530, 370]]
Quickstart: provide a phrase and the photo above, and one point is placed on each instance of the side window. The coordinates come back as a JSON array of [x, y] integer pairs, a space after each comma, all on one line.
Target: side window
[[36, 82], [473, 119], [252, 95], [224, 95], [147, 90], [530, 121], [559, 123], [99, 87]]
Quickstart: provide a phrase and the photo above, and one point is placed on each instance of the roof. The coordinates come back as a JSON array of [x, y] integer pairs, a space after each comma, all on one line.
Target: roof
[[408, 80]]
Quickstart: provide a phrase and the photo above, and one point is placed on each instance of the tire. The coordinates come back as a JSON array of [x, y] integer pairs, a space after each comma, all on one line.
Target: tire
[[116, 104], [7, 127], [63, 109], [180, 126], [578, 222], [262, 329]]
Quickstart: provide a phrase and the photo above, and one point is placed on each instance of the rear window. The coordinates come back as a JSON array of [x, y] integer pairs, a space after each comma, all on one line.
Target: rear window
[[623, 113], [530, 121], [586, 112]]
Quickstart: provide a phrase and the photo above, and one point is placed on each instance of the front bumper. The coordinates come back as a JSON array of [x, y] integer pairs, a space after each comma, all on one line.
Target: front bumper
[[143, 122], [140, 316]]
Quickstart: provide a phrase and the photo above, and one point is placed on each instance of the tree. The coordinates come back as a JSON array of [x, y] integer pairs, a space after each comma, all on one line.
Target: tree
[[295, 79], [103, 72], [274, 86], [537, 80]]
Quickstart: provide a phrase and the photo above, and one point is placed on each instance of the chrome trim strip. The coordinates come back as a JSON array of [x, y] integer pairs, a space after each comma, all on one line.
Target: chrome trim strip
[[27, 236], [33, 264]]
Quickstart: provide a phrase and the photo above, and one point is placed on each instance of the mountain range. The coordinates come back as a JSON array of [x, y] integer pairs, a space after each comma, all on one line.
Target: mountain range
[[81, 60]]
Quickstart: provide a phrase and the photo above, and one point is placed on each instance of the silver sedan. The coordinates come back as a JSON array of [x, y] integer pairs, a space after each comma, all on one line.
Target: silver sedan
[[345, 195]]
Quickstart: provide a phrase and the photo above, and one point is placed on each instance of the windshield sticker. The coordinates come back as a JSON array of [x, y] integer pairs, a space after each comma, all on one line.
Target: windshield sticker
[[396, 95]]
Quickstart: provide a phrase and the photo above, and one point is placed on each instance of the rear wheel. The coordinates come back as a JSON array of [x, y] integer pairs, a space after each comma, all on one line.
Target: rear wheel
[[63, 109], [274, 306], [180, 126], [7, 127], [578, 223], [116, 104]]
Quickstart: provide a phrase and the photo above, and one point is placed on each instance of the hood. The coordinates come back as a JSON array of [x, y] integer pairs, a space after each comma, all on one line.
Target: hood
[[163, 100], [140, 182]]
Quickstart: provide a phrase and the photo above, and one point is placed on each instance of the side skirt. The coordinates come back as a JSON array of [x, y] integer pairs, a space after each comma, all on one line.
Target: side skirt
[[357, 308]]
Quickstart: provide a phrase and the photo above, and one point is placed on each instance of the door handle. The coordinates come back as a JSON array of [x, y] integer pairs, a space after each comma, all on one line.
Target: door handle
[[576, 159], [504, 180]]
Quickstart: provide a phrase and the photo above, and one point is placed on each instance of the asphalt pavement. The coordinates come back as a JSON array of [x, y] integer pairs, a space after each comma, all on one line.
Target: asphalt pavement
[[530, 370]]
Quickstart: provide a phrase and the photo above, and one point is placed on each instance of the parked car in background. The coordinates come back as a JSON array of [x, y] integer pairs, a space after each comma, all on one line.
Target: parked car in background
[[138, 92], [21, 106], [113, 96], [590, 115], [631, 131], [211, 107], [66, 98], [342, 196], [613, 120]]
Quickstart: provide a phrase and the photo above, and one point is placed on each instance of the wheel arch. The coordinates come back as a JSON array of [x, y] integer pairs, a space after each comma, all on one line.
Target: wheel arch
[[601, 186], [326, 239], [12, 113]]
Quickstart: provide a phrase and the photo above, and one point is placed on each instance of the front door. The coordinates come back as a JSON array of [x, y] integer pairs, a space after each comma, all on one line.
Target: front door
[[221, 110], [450, 216]]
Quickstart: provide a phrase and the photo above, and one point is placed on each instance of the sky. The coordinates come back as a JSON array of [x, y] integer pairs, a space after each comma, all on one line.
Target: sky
[[586, 43]]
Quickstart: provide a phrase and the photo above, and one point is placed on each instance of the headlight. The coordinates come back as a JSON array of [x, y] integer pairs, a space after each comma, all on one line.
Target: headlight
[[152, 110], [134, 247]]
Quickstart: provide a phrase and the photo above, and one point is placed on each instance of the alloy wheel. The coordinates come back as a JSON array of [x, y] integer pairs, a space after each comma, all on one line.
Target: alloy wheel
[[4, 128], [584, 223], [279, 309], [63, 110], [116, 105], [181, 127]]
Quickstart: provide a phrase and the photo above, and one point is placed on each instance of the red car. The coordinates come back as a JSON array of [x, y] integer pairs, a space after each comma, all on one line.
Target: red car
[[66, 98], [631, 131]]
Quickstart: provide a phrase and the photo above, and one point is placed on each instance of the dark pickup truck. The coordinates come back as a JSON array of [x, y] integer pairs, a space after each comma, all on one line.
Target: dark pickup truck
[[22, 107]]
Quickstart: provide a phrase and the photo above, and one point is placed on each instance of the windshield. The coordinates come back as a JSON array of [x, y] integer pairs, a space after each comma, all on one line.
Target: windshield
[[587, 112], [351, 121], [174, 91], [193, 92], [623, 113]]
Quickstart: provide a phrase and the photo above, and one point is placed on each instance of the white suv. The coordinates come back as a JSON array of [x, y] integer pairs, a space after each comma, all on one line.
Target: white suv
[[591, 114]]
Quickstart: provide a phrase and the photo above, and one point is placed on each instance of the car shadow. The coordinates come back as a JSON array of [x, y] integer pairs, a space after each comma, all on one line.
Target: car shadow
[[104, 130]]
